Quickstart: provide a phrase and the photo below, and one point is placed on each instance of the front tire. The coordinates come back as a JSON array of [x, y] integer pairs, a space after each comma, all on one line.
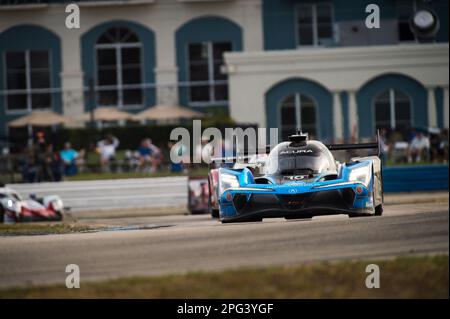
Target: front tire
[[214, 213], [379, 210], [59, 216]]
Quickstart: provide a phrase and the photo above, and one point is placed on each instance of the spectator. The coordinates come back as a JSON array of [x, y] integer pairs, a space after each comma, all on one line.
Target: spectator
[[420, 146], [384, 151], [157, 156], [47, 174], [132, 159], [69, 156], [57, 167], [40, 150], [30, 169], [443, 145], [145, 155], [434, 144], [80, 161], [107, 150]]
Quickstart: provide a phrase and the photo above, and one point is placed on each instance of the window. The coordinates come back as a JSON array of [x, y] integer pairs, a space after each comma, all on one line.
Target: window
[[298, 112], [393, 111], [119, 78], [207, 84], [314, 24], [27, 80], [405, 10]]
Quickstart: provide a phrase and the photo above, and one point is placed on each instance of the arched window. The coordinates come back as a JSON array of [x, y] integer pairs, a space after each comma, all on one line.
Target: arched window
[[208, 84], [298, 111], [119, 76], [393, 111]]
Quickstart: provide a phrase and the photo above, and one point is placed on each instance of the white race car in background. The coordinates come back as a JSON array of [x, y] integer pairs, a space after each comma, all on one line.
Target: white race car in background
[[14, 208]]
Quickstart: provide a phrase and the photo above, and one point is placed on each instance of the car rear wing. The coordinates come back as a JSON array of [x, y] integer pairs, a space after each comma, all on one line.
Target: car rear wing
[[245, 155], [357, 146]]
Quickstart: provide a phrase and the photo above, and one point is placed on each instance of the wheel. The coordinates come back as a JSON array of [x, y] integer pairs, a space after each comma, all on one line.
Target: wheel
[[379, 210], [59, 216], [214, 213]]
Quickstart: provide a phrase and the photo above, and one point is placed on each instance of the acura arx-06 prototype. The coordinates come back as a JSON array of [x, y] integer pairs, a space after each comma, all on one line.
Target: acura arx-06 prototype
[[302, 179]]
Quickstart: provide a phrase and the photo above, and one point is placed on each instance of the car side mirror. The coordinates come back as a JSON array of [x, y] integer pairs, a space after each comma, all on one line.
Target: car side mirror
[[33, 196]]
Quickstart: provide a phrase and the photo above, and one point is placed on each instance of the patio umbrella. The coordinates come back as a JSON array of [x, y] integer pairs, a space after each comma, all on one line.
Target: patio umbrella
[[106, 114], [167, 112], [39, 118]]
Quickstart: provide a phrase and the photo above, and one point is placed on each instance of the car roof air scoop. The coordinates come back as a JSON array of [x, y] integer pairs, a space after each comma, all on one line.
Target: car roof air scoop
[[298, 139]]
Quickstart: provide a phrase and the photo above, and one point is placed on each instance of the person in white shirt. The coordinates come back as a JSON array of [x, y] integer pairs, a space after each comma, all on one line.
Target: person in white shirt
[[419, 147], [107, 149]]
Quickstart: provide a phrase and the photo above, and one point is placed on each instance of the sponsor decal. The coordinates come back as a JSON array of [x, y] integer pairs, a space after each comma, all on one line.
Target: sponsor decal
[[294, 152]]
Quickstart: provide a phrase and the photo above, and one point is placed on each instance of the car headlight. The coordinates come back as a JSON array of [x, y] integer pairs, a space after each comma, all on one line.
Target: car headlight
[[361, 174], [227, 181], [14, 206]]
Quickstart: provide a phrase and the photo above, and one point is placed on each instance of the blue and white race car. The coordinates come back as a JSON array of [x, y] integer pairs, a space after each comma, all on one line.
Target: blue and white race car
[[302, 179]]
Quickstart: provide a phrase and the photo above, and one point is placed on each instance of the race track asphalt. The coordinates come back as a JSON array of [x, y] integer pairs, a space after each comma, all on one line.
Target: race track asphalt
[[177, 244]]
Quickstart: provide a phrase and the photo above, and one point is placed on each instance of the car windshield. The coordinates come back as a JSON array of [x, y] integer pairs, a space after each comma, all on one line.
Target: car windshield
[[314, 158], [299, 165]]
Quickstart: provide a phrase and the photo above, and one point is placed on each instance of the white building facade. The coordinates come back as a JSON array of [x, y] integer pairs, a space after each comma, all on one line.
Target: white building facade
[[289, 63], [342, 86]]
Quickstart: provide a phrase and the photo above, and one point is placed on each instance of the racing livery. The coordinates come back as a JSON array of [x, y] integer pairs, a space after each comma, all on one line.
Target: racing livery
[[202, 191], [302, 179], [14, 208]]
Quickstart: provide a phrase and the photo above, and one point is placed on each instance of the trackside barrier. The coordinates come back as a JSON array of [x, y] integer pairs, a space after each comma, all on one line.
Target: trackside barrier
[[415, 178]]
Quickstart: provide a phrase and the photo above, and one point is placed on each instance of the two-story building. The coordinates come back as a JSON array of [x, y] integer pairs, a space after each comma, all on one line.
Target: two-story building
[[288, 63]]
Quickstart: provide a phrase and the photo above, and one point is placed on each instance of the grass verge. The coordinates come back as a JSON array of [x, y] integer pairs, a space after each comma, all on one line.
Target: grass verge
[[403, 277], [39, 229]]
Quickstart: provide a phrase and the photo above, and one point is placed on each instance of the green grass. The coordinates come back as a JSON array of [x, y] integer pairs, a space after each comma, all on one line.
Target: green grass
[[39, 229], [404, 277]]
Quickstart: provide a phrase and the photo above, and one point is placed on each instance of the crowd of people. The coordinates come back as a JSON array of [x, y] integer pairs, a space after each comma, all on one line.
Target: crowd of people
[[41, 162], [415, 146]]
